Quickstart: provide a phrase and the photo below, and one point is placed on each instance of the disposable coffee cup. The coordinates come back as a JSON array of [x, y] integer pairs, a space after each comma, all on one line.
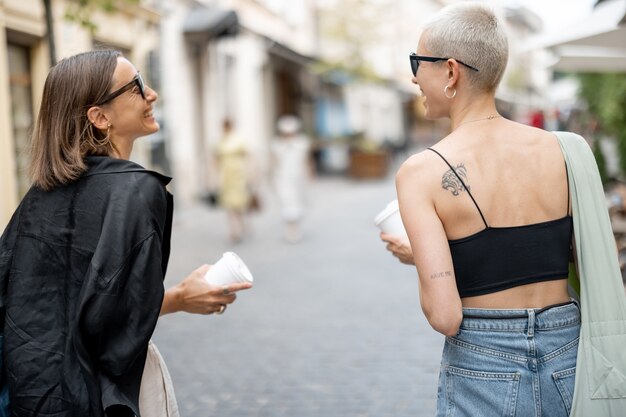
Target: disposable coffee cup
[[229, 269], [389, 220]]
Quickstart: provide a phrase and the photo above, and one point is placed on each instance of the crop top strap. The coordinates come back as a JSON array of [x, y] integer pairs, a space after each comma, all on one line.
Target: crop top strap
[[464, 186], [568, 192]]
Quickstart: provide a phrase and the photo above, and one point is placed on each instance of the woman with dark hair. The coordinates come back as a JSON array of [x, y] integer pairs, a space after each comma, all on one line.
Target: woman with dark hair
[[83, 258]]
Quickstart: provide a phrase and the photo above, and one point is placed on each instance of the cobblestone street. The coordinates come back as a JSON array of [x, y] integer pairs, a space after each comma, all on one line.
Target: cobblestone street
[[331, 328]]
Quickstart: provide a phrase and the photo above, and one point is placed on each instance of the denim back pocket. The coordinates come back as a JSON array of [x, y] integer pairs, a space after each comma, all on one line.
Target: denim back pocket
[[484, 394], [564, 381]]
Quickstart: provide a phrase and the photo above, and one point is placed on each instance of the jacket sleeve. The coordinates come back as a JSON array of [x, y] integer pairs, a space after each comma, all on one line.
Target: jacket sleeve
[[123, 289], [7, 243], [119, 313]]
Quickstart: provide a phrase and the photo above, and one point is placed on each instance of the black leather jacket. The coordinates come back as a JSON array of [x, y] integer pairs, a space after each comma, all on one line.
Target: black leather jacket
[[81, 287]]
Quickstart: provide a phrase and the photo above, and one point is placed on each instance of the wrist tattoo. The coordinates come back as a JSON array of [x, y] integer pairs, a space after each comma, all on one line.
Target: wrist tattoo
[[455, 180], [444, 274]]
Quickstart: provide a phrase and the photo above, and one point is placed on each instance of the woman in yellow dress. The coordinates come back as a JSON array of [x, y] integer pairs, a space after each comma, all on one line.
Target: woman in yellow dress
[[234, 196]]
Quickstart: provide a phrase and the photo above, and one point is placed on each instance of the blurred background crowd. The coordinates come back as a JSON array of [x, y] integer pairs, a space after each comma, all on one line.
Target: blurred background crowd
[[338, 67], [257, 98]]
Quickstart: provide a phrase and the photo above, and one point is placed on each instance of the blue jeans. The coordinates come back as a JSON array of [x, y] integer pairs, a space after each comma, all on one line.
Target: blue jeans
[[514, 363]]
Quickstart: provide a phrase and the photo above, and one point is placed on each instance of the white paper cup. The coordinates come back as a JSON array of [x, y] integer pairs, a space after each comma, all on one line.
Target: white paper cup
[[229, 269], [389, 220]]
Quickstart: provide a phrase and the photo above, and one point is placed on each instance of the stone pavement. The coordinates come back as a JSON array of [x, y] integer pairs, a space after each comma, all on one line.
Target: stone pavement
[[331, 328]]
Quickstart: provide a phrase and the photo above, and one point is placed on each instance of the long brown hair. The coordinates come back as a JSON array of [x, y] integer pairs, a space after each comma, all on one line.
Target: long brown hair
[[63, 134]]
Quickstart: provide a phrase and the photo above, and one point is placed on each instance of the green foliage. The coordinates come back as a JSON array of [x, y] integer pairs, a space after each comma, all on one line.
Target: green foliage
[[605, 95], [81, 11], [327, 69], [517, 79], [350, 28], [600, 160]]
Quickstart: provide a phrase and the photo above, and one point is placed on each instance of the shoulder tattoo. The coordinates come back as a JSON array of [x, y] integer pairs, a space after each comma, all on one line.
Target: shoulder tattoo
[[450, 181]]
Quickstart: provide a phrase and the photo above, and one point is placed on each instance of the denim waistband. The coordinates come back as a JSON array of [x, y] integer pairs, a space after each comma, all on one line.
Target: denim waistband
[[559, 315]]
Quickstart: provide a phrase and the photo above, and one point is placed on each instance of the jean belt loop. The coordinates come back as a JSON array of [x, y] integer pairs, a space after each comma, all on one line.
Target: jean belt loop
[[531, 322]]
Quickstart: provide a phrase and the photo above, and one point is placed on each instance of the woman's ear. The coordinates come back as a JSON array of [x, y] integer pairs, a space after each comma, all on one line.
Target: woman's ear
[[453, 72], [98, 118]]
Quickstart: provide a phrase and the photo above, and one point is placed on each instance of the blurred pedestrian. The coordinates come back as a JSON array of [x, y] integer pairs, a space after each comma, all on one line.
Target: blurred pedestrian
[[487, 211], [83, 258], [537, 119], [232, 155], [292, 170], [552, 120]]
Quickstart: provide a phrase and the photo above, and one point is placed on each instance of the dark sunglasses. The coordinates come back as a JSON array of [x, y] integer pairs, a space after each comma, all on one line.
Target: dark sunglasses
[[136, 81], [415, 62]]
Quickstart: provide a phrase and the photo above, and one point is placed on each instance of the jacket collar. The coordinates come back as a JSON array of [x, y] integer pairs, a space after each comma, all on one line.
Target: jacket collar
[[107, 165]]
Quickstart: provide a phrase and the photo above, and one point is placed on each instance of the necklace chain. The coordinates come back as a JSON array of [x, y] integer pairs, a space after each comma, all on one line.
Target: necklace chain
[[493, 116]]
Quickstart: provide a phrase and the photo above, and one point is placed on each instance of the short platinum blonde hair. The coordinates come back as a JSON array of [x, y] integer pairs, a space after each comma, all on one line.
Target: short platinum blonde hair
[[470, 32]]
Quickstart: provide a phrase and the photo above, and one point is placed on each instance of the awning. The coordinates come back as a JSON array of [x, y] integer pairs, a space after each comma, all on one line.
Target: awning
[[203, 23], [598, 43], [605, 26], [589, 59], [286, 53]]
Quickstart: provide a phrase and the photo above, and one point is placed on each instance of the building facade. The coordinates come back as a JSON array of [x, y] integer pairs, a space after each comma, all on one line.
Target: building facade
[[241, 60], [248, 61], [24, 64]]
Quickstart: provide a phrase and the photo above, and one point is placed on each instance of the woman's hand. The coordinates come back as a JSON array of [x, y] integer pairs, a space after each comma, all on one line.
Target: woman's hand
[[400, 247], [195, 295]]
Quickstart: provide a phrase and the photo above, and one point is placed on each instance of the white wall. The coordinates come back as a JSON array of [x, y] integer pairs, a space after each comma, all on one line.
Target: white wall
[[178, 94], [376, 111], [235, 85], [134, 28]]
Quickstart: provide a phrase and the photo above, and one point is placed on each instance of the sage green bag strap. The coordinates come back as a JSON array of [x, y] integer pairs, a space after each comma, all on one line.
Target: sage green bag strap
[[600, 388]]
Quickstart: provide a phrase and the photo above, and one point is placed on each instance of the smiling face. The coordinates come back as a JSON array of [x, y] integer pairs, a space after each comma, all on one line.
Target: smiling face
[[129, 114], [432, 77]]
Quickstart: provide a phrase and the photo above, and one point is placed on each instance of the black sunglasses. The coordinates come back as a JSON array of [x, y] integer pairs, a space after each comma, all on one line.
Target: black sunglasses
[[415, 62], [136, 81]]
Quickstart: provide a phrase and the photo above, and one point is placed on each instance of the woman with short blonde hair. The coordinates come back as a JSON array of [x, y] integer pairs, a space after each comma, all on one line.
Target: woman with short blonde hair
[[488, 218]]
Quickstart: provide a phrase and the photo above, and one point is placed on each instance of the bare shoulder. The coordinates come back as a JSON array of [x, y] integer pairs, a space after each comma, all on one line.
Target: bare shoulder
[[530, 132], [417, 169], [416, 187], [417, 173]]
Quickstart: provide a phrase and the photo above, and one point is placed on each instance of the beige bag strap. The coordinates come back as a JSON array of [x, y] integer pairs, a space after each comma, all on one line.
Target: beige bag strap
[[156, 397]]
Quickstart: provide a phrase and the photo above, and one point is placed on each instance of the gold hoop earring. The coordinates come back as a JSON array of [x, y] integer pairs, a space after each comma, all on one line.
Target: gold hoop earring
[[445, 92]]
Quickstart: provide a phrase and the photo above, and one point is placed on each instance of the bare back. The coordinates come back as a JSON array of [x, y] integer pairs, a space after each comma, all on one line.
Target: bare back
[[517, 176]]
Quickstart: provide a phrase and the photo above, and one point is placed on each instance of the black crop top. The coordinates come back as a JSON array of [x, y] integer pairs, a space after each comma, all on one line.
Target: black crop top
[[498, 258]]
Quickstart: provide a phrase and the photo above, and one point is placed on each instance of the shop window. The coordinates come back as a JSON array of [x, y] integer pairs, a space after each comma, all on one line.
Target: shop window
[[21, 110]]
